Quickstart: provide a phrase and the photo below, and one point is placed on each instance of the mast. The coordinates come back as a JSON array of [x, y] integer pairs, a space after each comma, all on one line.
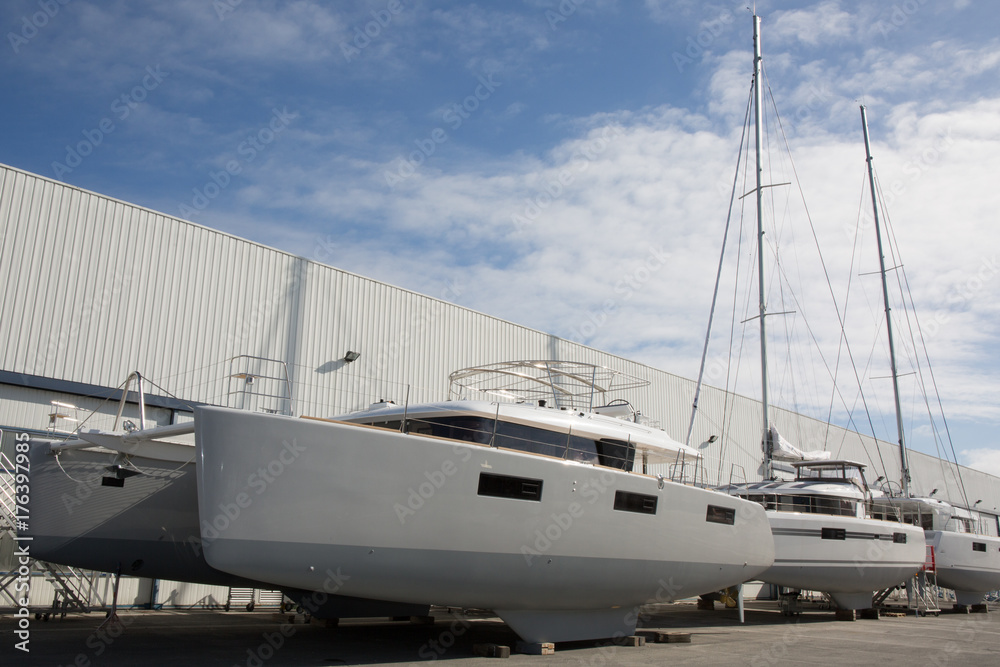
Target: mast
[[905, 481], [758, 134]]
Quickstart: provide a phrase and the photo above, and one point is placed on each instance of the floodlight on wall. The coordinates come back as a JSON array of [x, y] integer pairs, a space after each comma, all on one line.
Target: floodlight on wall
[[712, 438], [932, 493], [351, 356], [977, 502]]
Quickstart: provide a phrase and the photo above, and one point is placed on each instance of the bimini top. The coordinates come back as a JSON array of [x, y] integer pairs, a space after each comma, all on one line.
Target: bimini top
[[564, 384], [837, 478], [560, 432]]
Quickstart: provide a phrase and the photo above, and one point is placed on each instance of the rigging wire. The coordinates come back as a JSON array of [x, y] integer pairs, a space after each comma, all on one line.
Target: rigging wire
[[904, 286], [826, 275], [718, 279]]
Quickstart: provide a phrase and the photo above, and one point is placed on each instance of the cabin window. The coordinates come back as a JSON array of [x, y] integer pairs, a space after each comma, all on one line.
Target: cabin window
[[716, 514], [505, 486], [834, 534], [615, 453], [618, 454], [979, 546], [626, 501], [899, 538], [462, 428]]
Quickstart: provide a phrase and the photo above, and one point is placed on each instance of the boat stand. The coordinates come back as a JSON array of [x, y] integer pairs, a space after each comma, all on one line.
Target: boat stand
[[112, 618]]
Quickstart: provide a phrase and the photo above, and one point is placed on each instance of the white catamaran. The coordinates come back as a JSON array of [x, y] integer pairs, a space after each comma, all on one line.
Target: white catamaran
[[125, 501], [539, 511], [964, 560], [825, 538]]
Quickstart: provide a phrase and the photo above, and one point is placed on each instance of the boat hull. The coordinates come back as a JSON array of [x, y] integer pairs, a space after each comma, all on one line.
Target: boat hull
[[147, 528], [855, 558], [404, 514], [969, 572]]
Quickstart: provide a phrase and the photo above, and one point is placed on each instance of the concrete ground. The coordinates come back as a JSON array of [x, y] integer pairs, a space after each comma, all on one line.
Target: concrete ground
[[262, 638]]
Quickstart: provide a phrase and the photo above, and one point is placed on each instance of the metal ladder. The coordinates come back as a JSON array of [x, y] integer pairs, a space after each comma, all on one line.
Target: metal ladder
[[921, 590], [72, 587]]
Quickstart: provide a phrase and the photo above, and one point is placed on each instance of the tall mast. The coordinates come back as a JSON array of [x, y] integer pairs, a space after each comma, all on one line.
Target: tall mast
[[758, 134], [905, 481]]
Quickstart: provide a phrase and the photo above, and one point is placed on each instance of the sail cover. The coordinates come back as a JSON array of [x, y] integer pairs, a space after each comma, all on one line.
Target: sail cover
[[782, 450]]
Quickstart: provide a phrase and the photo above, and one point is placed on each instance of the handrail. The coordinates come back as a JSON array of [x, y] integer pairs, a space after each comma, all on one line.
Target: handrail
[[7, 491]]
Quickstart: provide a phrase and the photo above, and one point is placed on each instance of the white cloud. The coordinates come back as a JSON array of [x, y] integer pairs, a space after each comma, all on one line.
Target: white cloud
[[985, 460], [826, 22]]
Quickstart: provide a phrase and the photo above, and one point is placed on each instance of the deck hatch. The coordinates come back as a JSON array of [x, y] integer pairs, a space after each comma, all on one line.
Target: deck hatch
[[716, 514], [506, 486], [626, 501]]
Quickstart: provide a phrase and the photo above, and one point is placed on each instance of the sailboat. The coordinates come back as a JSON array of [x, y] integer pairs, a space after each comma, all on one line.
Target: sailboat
[[825, 539], [964, 560], [540, 510]]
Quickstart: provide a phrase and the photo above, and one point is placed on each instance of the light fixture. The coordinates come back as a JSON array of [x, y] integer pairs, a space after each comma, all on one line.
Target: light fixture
[[351, 356], [977, 502], [880, 478], [713, 438], [932, 493]]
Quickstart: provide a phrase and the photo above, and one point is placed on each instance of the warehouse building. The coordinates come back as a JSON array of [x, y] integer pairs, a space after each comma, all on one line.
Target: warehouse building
[[96, 288]]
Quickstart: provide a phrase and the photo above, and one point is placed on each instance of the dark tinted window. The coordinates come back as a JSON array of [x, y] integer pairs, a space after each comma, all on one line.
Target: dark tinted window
[[611, 453], [725, 515], [505, 486], [626, 501]]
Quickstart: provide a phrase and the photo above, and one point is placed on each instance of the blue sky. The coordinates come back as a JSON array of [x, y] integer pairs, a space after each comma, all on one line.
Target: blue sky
[[567, 163]]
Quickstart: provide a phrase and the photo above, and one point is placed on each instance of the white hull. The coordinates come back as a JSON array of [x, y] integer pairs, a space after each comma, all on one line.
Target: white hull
[[969, 572], [291, 500], [867, 559], [147, 528]]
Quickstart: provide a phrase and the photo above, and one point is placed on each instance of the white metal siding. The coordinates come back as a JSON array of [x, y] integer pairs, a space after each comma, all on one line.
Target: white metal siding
[[96, 288]]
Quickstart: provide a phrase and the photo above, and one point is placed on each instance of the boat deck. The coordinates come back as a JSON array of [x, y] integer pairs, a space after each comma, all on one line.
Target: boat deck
[[207, 637]]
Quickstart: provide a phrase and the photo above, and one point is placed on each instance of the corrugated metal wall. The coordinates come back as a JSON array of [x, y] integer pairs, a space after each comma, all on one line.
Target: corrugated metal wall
[[96, 288]]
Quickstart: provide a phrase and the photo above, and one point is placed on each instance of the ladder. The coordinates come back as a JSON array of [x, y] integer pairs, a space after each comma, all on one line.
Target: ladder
[[71, 587], [921, 590]]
